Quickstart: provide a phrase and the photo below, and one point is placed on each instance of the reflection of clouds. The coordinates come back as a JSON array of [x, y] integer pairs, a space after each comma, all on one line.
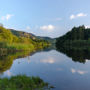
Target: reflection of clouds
[[81, 72], [9, 73], [87, 60], [49, 60], [73, 70]]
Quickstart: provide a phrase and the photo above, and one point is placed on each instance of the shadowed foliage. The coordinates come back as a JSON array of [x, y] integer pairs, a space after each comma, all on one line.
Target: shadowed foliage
[[23, 83], [78, 37]]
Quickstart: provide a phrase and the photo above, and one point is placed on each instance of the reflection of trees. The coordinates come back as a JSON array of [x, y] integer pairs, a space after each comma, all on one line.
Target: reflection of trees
[[79, 55], [6, 61]]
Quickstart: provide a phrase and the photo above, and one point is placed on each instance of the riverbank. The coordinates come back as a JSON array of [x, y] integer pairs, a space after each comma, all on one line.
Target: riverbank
[[20, 41], [23, 83], [19, 47]]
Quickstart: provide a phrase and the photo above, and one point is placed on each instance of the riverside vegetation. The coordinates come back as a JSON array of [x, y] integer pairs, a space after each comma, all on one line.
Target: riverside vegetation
[[13, 42], [23, 83], [20, 82], [75, 44]]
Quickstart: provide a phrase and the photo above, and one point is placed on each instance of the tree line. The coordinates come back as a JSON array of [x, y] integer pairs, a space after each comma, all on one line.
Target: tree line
[[77, 37]]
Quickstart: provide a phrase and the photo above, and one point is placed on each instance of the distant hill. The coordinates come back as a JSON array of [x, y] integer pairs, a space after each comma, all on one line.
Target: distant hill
[[77, 37], [51, 40], [23, 34], [31, 36], [18, 40]]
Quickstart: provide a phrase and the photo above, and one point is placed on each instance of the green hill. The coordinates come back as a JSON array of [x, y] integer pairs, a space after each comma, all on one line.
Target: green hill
[[23, 34], [31, 36], [78, 37], [18, 40]]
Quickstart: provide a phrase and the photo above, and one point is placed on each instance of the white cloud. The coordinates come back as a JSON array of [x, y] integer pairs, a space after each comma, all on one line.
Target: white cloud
[[87, 26], [28, 28], [81, 15], [47, 28], [77, 15], [81, 72], [7, 17], [72, 16], [49, 60]]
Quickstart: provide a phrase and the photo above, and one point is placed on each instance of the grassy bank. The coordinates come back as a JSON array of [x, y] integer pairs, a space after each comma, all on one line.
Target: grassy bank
[[21, 42], [14, 47], [23, 83], [19, 46]]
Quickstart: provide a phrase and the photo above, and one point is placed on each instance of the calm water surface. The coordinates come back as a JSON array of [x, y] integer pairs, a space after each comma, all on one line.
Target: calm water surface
[[53, 67]]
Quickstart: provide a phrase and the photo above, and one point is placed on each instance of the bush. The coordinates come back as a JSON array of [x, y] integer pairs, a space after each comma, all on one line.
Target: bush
[[23, 83]]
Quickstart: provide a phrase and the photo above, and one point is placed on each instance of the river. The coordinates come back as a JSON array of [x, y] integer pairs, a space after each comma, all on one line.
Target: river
[[56, 68]]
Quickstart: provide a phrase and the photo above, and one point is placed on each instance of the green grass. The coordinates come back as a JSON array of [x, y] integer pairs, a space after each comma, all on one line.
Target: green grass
[[20, 46], [23, 83]]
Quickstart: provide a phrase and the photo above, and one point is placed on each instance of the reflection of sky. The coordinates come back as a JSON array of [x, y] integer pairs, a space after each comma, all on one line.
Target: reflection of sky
[[55, 68], [8, 73], [48, 60], [78, 71]]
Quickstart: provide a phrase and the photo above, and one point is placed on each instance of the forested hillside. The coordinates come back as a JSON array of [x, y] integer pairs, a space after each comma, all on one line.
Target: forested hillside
[[20, 40], [31, 36], [77, 37]]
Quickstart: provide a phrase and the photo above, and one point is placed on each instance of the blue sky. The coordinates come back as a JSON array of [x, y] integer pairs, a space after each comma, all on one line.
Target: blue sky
[[44, 17]]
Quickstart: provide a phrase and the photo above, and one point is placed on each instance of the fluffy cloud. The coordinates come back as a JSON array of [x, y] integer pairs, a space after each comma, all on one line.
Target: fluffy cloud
[[72, 16], [7, 17], [87, 26], [47, 28], [77, 15], [78, 71], [81, 15], [28, 28]]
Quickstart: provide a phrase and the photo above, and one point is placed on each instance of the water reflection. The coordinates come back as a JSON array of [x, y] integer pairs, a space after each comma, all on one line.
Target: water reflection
[[8, 73], [6, 60], [77, 55], [81, 72], [81, 56], [52, 66], [50, 60]]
